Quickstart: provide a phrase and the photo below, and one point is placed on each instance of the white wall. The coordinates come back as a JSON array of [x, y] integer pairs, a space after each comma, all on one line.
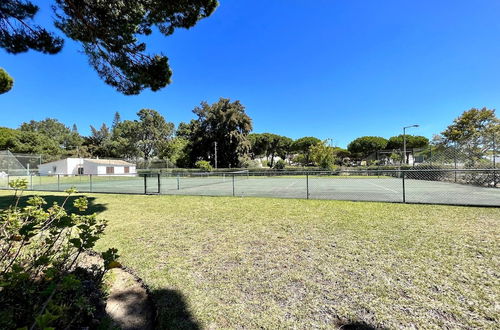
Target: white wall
[[118, 170], [70, 166], [73, 164], [48, 168], [90, 168]]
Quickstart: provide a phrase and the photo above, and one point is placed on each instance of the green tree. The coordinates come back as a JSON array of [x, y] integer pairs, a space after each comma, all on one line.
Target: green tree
[[341, 155], [153, 132], [124, 140], [224, 122], [116, 120], [99, 141], [110, 32], [8, 138], [258, 145], [270, 145], [473, 133], [145, 137], [323, 155], [68, 141], [366, 145], [175, 151], [412, 141], [6, 81], [303, 146]]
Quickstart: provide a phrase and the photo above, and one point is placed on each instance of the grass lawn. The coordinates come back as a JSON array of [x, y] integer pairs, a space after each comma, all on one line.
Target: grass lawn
[[221, 262]]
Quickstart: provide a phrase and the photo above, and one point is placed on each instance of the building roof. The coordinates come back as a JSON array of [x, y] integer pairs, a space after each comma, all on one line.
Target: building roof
[[109, 162]]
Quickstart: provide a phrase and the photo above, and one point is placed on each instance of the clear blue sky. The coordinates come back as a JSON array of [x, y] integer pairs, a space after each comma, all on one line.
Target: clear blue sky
[[327, 68]]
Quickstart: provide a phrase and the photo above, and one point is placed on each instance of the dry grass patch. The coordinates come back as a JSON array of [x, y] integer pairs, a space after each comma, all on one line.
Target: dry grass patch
[[256, 262]]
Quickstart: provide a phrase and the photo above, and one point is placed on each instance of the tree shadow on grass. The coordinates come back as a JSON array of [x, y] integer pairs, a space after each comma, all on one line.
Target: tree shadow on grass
[[356, 325], [94, 207], [133, 309], [173, 311]]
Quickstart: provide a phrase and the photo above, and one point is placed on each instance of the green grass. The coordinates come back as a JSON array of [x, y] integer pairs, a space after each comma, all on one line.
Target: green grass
[[278, 263]]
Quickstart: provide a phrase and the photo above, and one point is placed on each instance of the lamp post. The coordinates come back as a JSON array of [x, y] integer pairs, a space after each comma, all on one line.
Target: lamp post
[[404, 141], [215, 154]]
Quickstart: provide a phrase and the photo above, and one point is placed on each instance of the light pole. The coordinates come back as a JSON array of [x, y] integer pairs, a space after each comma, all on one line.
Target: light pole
[[215, 154], [404, 141]]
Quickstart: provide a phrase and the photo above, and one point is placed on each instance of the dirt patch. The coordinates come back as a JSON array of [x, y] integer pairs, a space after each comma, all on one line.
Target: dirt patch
[[128, 305]]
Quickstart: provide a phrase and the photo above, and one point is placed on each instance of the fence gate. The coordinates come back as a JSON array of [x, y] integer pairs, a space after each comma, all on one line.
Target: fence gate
[[152, 184]]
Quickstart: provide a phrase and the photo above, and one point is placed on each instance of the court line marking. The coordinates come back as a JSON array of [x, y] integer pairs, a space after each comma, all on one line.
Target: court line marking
[[388, 189]]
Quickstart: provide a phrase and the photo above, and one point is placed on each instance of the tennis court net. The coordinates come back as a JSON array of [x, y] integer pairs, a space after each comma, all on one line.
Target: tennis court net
[[192, 180]]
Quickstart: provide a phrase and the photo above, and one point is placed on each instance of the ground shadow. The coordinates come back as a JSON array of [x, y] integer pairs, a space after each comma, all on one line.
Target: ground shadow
[[356, 325], [94, 207], [173, 311]]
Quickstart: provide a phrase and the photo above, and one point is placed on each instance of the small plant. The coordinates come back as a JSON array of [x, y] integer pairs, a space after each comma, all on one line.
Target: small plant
[[203, 165], [41, 283], [279, 165]]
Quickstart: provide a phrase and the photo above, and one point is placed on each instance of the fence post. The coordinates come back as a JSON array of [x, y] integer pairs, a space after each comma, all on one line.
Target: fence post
[[58, 183], [494, 162], [404, 189], [455, 159], [307, 185], [233, 185], [145, 184], [90, 179], [159, 184]]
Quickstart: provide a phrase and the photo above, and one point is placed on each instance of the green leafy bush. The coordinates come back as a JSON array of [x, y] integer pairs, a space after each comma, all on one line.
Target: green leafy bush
[[41, 283], [203, 165], [279, 165]]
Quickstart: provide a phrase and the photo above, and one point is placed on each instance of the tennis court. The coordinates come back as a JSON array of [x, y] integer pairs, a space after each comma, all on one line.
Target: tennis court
[[382, 188]]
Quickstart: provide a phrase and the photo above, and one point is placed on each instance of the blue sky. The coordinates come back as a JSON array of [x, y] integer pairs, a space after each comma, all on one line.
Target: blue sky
[[327, 68]]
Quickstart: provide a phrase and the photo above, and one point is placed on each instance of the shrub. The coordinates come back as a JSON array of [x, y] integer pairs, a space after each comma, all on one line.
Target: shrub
[[41, 285], [203, 165], [279, 165], [247, 162]]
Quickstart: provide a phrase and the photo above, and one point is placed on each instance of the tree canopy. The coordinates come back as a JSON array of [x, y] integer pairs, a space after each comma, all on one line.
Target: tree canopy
[[365, 145], [473, 132], [6, 81], [56, 131], [303, 147], [224, 122], [412, 141], [323, 155], [270, 145], [111, 33]]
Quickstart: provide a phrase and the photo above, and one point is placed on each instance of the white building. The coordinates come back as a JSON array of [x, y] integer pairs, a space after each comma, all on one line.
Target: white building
[[79, 166]]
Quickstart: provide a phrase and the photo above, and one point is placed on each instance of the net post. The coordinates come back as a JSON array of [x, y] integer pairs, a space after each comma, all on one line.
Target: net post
[[58, 182], [90, 182], [233, 184], [8, 181], [404, 189], [145, 184], [307, 185], [178, 183], [159, 184], [31, 181]]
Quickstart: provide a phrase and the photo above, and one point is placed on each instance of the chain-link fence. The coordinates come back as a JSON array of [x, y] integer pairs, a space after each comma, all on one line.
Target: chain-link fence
[[461, 186], [18, 164]]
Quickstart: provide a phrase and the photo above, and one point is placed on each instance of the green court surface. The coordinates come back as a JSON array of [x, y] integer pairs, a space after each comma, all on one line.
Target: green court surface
[[355, 188]]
